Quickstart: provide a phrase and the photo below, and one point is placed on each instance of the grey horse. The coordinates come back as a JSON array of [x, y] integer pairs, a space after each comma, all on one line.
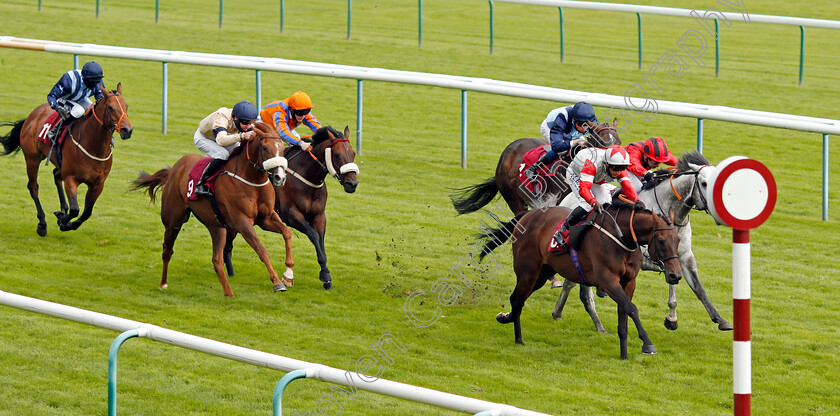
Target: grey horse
[[681, 192]]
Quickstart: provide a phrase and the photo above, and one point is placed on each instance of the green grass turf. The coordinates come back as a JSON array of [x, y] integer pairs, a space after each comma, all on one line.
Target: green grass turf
[[398, 232]]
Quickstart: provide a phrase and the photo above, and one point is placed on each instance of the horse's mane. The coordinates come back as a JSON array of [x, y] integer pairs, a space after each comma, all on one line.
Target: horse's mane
[[322, 135], [262, 129], [694, 158]]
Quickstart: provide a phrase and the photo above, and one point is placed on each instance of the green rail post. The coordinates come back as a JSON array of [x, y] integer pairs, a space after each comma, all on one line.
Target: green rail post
[[491, 26], [801, 52], [463, 129], [75, 61], [700, 135], [639, 20], [349, 14], [112, 368], [157, 10], [825, 177], [39, 5], [164, 97], [419, 23], [221, 11], [717, 50], [281, 386], [359, 86], [281, 15], [97, 9], [560, 9], [259, 88]]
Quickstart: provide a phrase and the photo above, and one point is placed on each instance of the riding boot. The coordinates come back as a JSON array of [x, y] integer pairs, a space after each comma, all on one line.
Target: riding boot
[[52, 135], [201, 188], [574, 217]]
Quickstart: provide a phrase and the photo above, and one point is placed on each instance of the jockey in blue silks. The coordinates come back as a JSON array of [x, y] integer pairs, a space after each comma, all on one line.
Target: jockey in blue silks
[[69, 96], [563, 128]]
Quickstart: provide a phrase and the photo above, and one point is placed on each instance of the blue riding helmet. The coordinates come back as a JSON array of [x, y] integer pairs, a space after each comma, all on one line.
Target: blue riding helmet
[[92, 70], [582, 112], [245, 110]]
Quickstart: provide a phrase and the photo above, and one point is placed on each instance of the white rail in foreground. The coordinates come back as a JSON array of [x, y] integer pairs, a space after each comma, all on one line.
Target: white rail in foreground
[[262, 359]]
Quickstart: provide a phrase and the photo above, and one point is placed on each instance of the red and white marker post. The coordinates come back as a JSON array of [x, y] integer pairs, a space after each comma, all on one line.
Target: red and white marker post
[[742, 194]]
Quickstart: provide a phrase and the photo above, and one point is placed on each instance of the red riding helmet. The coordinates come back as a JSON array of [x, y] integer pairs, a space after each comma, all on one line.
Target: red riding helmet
[[656, 149]]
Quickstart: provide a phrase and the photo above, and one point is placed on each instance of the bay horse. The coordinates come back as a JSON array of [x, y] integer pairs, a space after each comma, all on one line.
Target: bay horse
[[301, 203], [87, 161], [506, 181], [608, 260], [244, 194], [680, 191]]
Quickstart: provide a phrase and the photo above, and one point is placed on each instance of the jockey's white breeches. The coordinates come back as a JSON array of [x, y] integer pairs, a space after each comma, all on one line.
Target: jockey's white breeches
[[211, 148]]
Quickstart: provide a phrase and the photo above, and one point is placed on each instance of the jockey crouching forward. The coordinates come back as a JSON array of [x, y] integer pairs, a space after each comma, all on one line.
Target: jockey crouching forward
[[563, 128], [286, 115], [646, 156], [219, 133], [69, 96]]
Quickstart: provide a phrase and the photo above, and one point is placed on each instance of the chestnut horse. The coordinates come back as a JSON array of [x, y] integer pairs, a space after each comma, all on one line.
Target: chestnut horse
[[244, 196], [608, 259], [506, 181], [87, 160], [302, 201]]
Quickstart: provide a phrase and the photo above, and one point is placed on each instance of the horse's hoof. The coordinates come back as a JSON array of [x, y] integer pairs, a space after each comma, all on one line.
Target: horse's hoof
[[286, 282], [280, 287], [42, 230], [520, 342], [327, 285], [724, 326], [163, 286], [601, 293], [64, 227], [557, 317], [671, 325], [59, 214], [503, 317], [648, 349]]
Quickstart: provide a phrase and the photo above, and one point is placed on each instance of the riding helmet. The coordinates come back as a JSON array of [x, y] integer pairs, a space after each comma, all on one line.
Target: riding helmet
[[656, 149], [300, 101], [582, 111], [617, 156], [92, 71], [245, 110]]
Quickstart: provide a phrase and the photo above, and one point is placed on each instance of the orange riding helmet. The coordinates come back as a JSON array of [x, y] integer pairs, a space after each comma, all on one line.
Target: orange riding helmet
[[300, 101]]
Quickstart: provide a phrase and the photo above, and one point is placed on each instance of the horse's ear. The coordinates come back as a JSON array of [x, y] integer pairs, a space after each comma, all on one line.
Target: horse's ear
[[615, 121], [119, 87], [103, 89], [346, 132]]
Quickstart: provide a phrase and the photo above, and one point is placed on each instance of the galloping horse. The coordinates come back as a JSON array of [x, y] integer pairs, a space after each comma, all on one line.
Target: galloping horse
[[302, 201], [680, 191], [506, 181], [87, 161], [607, 260], [244, 197]]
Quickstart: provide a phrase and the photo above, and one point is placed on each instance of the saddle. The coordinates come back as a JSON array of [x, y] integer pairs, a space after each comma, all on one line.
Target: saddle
[[529, 159], [195, 175], [49, 123], [570, 237]]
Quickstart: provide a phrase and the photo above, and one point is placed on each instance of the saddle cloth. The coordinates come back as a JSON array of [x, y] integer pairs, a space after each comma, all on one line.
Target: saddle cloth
[[571, 237], [51, 121], [528, 160], [195, 175]]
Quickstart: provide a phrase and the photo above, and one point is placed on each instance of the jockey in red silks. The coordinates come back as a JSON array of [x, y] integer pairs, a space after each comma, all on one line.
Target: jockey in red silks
[[646, 156], [588, 174]]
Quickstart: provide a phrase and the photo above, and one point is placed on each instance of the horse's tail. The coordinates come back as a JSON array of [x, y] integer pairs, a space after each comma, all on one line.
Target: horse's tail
[[11, 141], [495, 237], [153, 182], [472, 198]]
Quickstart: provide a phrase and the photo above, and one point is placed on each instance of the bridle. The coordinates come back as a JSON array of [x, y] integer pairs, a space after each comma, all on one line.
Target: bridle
[[688, 201], [660, 260], [327, 168], [114, 126]]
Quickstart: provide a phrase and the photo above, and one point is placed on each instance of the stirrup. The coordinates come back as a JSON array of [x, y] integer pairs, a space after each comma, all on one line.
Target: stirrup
[[203, 190]]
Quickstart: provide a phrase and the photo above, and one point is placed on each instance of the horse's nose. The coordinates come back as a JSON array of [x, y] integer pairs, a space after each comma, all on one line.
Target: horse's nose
[[350, 187], [125, 132], [278, 178], [673, 278]]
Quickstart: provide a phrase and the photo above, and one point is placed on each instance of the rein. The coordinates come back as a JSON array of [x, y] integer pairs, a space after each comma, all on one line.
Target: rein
[[328, 168]]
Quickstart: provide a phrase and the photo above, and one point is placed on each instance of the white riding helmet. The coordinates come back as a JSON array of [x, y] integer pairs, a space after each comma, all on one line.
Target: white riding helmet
[[617, 156]]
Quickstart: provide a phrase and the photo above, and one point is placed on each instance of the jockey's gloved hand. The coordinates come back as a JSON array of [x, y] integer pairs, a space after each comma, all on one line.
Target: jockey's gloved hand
[[597, 206], [649, 175], [63, 110]]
